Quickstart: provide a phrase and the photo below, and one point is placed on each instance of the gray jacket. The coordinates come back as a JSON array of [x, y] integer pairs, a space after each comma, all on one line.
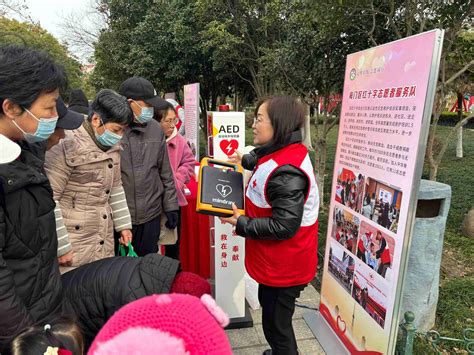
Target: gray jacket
[[147, 176]]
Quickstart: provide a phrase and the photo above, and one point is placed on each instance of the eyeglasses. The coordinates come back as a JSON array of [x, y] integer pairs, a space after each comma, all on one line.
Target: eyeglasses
[[259, 120], [173, 121]]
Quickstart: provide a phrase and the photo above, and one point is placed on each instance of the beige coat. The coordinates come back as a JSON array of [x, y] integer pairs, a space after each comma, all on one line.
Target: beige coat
[[83, 177]]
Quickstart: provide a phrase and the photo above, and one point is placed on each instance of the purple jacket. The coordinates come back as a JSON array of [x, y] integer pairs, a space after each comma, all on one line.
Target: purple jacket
[[182, 163]]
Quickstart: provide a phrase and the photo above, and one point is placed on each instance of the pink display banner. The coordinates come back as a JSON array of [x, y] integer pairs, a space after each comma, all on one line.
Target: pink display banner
[[191, 117], [382, 131]]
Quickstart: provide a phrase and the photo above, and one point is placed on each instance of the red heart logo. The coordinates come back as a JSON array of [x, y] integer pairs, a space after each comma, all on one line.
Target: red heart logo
[[340, 323], [229, 146]]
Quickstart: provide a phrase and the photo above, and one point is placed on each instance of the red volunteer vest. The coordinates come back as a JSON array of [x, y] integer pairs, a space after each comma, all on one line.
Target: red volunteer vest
[[288, 262], [385, 257]]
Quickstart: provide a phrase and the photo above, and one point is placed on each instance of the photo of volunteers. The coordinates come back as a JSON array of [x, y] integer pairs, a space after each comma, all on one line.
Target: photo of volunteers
[[369, 294], [381, 204], [376, 248], [341, 266], [345, 228], [349, 189]]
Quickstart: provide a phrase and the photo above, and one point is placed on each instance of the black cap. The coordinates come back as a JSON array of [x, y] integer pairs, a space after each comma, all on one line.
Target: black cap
[[68, 119], [137, 88]]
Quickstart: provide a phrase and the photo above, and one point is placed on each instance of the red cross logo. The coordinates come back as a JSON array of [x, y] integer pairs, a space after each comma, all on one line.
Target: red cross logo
[[254, 184]]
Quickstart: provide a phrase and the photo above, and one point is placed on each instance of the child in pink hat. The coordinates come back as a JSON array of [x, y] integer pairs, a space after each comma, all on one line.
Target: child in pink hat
[[174, 324]]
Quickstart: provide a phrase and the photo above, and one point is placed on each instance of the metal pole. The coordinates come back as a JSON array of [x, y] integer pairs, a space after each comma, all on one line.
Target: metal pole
[[408, 334]]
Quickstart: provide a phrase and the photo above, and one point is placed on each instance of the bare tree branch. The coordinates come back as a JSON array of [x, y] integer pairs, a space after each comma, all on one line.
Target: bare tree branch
[[236, 71], [332, 124], [460, 72], [391, 21], [422, 16], [372, 30], [17, 7], [81, 28], [448, 138], [409, 17], [290, 82]]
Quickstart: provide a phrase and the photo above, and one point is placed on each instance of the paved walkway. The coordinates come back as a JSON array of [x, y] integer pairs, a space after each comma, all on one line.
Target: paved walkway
[[251, 341]]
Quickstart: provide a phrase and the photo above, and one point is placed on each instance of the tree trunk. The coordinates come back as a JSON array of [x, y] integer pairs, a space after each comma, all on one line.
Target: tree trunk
[[431, 154], [213, 101], [321, 157], [204, 100], [459, 152], [307, 130], [236, 98], [434, 171]]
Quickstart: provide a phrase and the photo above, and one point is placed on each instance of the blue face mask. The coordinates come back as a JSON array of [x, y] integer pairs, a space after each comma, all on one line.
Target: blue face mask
[[146, 114], [108, 138], [46, 127]]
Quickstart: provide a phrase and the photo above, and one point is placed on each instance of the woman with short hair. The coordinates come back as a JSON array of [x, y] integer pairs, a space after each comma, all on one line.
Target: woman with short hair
[[84, 170], [281, 221]]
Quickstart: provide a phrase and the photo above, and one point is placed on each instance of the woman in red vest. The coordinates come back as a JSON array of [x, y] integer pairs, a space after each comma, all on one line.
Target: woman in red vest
[[281, 222], [383, 254]]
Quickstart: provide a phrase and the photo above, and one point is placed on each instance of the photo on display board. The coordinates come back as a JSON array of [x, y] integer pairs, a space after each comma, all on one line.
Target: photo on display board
[[381, 204], [370, 294], [341, 266], [376, 249], [345, 228], [192, 146], [349, 189]]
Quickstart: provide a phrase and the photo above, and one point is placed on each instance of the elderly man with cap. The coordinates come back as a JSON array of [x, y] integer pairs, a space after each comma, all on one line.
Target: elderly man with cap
[[147, 176], [67, 120]]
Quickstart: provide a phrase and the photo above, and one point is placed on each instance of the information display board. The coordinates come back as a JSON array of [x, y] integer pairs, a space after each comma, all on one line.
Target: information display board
[[191, 117], [386, 110]]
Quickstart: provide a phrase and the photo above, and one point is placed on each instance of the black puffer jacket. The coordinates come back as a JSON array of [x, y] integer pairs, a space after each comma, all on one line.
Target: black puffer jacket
[[97, 290], [286, 190], [30, 285]]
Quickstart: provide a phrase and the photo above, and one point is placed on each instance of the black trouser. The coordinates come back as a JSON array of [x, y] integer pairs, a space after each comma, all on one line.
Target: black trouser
[[383, 269], [361, 255], [173, 250], [144, 237], [278, 307]]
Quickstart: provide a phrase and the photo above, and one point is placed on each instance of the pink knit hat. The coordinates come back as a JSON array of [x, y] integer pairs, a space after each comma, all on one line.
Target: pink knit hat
[[174, 324]]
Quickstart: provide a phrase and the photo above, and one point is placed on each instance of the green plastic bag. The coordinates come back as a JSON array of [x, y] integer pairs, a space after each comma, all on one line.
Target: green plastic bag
[[131, 252]]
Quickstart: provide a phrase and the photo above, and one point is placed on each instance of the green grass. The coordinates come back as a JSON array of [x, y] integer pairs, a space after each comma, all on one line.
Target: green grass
[[454, 314], [455, 306]]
